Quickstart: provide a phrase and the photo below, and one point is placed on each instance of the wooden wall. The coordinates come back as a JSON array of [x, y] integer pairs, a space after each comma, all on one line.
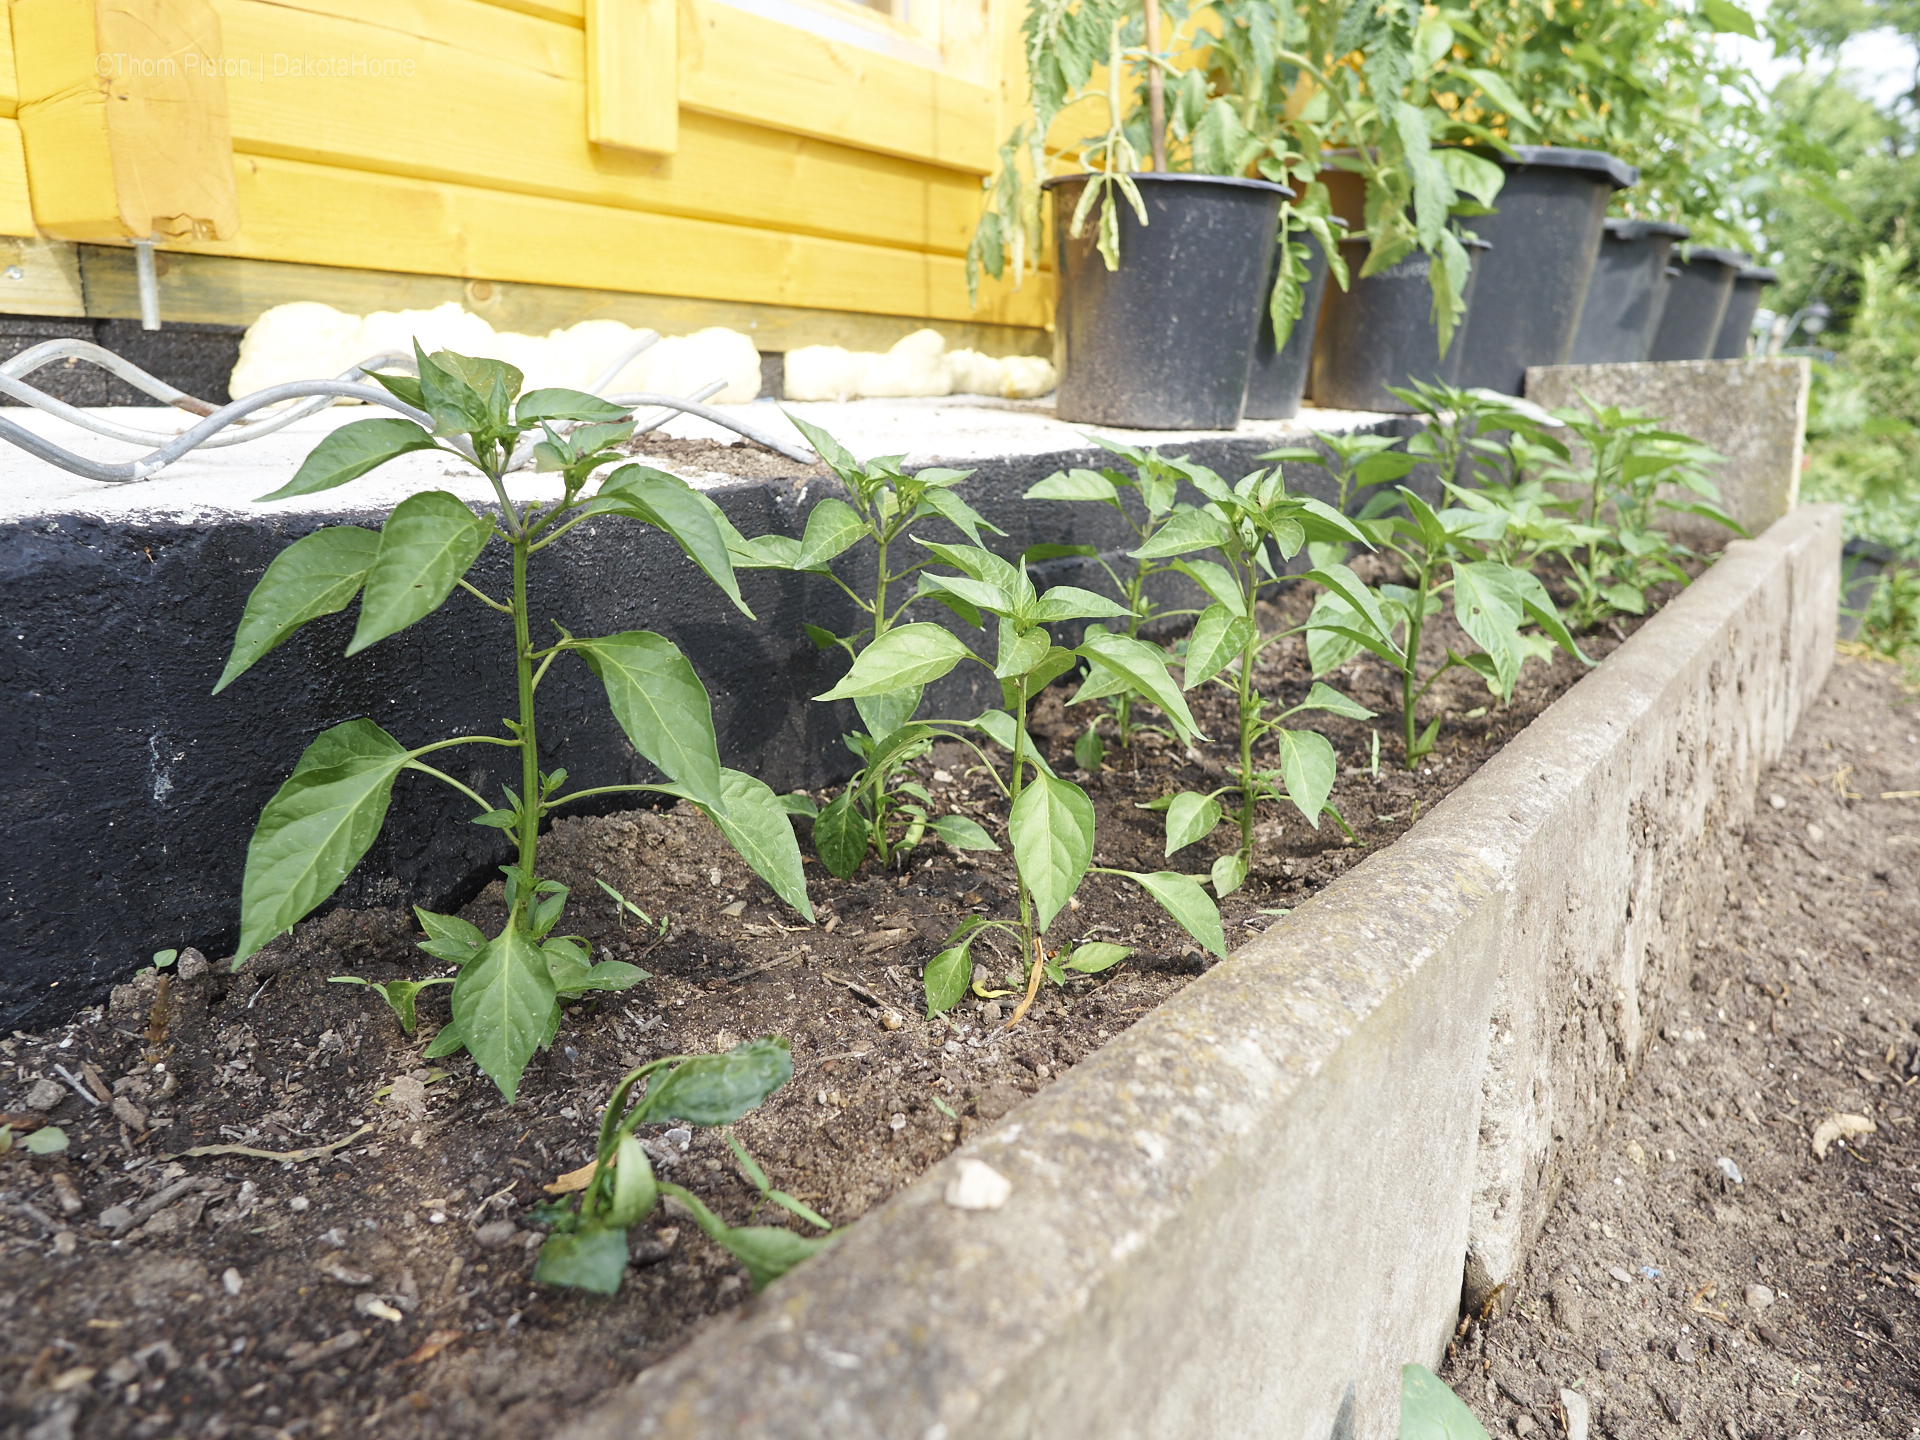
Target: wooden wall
[[455, 138]]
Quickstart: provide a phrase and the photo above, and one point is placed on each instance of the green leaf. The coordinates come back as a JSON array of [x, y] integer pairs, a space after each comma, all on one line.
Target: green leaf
[[399, 994], [904, 656], [446, 1041], [350, 452], [962, 516], [1219, 636], [429, 542], [1190, 906], [1051, 830], [1429, 1410], [796, 1207], [594, 1260], [1076, 485], [1488, 609], [799, 803], [1144, 667], [767, 1251], [1361, 600], [1325, 697], [558, 404], [662, 706], [717, 1089], [1094, 956], [1190, 817], [1503, 97], [449, 938], [1384, 466], [1019, 653], [1089, 751], [47, 1140], [828, 448], [492, 382], [840, 836], [1728, 18], [947, 977], [317, 575], [756, 825], [635, 1191], [1000, 727], [960, 833], [667, 502], [502, 1002], [316, 827], [1185, 530], [1070, 602], [1308, 765], [1229, 874], [401, 387], [833, 526], [1217, 581]]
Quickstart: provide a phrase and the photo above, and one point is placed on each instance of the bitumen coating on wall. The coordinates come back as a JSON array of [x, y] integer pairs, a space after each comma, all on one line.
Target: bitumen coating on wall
[[195, 358], [1243, 1214], [134, 789]]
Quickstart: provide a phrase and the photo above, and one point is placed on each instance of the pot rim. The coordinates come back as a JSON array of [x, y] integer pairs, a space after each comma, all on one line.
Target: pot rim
[[1618, 172], [1732, 259], [1472, 242], [1762, 273], [1628, 230], [1160, 176]]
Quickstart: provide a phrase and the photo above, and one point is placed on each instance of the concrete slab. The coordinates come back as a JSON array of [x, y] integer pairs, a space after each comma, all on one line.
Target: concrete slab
[[1243, 1214]]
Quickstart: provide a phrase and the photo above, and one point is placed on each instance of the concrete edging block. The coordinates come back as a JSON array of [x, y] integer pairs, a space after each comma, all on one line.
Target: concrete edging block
[[1243, 1214]]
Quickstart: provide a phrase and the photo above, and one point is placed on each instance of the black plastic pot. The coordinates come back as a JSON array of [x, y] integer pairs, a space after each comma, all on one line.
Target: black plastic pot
[[1627, 294], [1380, 332], [1742, 305], [1545, 238], [1277, 378], [1696, 305], [1163, 342]]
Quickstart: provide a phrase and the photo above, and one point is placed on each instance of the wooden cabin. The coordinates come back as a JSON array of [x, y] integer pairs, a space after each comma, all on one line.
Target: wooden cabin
[[807, 171]]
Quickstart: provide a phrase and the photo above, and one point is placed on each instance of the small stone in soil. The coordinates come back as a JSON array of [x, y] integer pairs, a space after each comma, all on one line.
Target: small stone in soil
[[46, 1095], [496, 1233], [298, 1203], [116, 1217], [1758, 1297], [231, 1282]]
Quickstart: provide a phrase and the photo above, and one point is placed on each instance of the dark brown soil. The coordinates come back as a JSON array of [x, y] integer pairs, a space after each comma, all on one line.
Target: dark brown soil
[[387, 1283], [1786, 1303], [716, 457]]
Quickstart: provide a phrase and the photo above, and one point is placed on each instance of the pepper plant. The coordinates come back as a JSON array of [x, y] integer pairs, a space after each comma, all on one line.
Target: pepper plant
[[587, 1247], [884, 503], [1614, 552], [315, 829], [1155, 482], [1255, 527], [1050, 821], [1494, 602]]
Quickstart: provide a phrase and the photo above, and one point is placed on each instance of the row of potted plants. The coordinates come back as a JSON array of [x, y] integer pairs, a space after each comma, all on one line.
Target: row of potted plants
[[1250, 152]]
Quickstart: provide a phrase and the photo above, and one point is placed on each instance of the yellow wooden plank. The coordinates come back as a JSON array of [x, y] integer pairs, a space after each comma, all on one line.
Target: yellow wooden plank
[[40, 277], [633, 80], [322, 215], [227, 290], [738, 64], [16, 203], [124, 122], [567, 12], [9, 83], [503, 98]]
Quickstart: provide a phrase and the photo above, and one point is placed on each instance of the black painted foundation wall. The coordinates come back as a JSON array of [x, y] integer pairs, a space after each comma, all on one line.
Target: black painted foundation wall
[[132, 791]]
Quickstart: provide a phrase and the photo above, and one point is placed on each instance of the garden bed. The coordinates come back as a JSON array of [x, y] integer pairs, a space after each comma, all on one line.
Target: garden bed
[[401, 1288]]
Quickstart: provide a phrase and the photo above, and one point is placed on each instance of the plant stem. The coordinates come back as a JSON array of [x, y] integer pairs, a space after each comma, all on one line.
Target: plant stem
[[1249, 714], [1019, 776], [529, 750], [1409, 695], [1156, 92]]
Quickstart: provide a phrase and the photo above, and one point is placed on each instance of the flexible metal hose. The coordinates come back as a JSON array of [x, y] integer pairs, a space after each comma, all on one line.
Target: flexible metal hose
[[213, 431]]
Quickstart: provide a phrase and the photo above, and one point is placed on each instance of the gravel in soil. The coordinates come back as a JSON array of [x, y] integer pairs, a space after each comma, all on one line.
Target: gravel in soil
[[1741, 1256], [383, 1283]]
